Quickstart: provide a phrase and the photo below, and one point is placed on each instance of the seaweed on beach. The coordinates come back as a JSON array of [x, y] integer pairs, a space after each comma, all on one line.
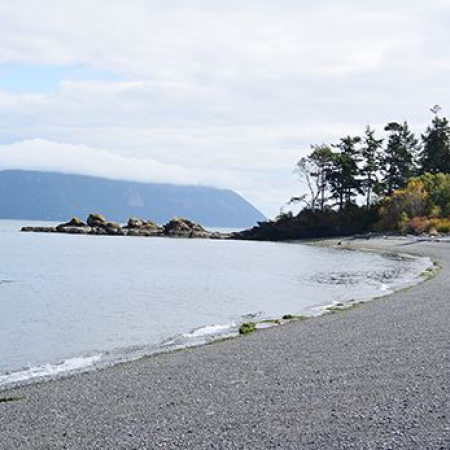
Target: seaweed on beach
[[247, 327], [10, 399]]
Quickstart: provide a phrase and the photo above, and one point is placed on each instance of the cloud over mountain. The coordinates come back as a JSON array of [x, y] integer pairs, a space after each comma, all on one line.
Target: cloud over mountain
[[218, 92]]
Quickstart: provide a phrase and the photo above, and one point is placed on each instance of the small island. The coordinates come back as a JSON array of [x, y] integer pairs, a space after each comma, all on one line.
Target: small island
[[97, 224]]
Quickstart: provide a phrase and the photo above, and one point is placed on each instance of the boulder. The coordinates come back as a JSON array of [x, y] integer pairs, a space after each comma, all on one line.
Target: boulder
[[134, 222], [74, 222], [75, 230], [143, 232], [113, 228], [151, 225], [185, 228], [96, 220], [99, 231]]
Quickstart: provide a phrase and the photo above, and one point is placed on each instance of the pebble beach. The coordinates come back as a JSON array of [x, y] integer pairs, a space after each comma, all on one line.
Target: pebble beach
[[376, 376]]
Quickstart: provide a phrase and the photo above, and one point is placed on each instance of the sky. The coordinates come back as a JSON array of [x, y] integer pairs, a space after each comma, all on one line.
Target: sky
[[222, 93]]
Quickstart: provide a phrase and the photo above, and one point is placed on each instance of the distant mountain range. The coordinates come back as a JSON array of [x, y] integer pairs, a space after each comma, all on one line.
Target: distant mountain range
[[33, 195]]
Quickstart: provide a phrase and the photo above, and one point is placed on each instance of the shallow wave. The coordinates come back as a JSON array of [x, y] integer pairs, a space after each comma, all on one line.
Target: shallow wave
[[198, 336], [210, 330], [49, 370]]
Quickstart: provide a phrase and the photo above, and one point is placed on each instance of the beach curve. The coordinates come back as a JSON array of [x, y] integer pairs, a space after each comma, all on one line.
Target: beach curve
[[374, 377]]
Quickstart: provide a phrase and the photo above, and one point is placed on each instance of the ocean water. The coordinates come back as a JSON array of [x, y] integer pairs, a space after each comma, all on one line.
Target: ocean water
[[72, 302]]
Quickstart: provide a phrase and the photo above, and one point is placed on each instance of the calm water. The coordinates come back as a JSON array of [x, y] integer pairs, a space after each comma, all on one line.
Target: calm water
[[70, 301]]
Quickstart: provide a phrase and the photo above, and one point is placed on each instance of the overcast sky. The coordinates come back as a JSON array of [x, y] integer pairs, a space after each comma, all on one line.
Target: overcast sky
[[226, 93]]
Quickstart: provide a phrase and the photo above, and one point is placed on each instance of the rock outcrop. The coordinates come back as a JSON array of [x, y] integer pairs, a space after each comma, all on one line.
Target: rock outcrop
[[96, 220], [140, 227], [97, 224], [74, 226], [185, 228]]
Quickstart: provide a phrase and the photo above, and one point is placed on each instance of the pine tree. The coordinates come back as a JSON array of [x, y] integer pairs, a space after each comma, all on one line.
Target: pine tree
[[435, 156], [371, 155], [343, 178], [399, 162]]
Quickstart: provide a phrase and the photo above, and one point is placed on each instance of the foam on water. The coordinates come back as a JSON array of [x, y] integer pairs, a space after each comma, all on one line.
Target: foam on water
[[49, 370], [210, 330]]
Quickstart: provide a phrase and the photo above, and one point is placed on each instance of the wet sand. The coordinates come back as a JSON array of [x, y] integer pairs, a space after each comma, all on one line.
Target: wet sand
[[372, 377]]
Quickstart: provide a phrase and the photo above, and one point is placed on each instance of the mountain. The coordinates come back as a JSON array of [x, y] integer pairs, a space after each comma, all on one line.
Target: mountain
[[33, 195]]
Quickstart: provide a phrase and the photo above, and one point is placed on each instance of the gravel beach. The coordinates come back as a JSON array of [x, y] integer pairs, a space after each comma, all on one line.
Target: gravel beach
[[373, 377]]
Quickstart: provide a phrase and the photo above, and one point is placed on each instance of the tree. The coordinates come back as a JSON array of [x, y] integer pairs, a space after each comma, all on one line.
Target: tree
[[323, 157], [343, 177], [399, 162], [313, 172], [435, 156], [306, 169], [438, 189], [404, 204], [371, 155]]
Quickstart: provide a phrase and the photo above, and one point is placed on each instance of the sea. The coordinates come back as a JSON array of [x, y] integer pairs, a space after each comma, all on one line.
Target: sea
[[72, 303]]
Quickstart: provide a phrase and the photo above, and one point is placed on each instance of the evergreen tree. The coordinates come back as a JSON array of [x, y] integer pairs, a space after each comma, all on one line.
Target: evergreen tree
[[435, 155], [343, 178], [322, 155], [399, 162], [371, 155]]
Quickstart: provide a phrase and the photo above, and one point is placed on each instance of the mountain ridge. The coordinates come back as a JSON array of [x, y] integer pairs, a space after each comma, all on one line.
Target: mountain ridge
[[36, 195]]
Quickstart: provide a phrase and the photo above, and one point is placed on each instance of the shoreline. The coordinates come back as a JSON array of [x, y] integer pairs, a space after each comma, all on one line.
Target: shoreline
[[81, 364], [348, 385]]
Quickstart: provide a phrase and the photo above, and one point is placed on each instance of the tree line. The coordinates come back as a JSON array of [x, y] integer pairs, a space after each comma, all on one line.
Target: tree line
[[363, 169]]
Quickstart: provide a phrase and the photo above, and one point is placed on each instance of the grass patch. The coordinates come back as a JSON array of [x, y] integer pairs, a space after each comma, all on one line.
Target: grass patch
[[247, 327]]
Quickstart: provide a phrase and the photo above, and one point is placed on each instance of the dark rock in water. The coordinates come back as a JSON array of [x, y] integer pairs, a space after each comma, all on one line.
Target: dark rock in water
[[39, 229], [98, 231], [185, 228], [148, 224], [74, 230], [74, 222], [113, 228], [134, 222], [140, 224], [96, 220], [74, 226], [144, 232], [99, 226]]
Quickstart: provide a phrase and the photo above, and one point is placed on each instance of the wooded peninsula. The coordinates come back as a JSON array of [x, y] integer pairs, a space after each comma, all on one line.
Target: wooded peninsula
[[397, 183]]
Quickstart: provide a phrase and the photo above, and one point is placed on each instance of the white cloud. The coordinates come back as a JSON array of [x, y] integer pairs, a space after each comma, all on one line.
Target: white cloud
[[229, 93]]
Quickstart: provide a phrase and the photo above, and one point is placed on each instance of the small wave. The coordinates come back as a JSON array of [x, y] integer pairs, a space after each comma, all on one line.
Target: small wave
[[49, 370], [210, 330]]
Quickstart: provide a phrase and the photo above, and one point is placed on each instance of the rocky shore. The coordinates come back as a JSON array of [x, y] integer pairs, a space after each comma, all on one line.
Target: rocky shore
[[97, 224]]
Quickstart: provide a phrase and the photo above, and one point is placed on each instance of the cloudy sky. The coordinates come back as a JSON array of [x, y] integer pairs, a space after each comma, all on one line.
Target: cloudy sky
[[225, 93]]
